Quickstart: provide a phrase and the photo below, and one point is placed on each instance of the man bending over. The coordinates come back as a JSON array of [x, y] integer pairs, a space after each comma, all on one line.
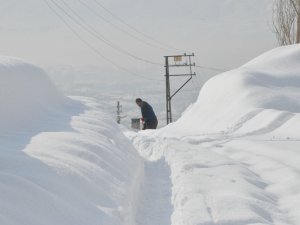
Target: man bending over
[[148, 116]]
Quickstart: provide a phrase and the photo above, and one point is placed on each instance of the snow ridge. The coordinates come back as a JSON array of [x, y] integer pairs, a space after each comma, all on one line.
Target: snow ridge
[[269, 82], [62, 160], [26, 94], [232, 159], [234, 155]]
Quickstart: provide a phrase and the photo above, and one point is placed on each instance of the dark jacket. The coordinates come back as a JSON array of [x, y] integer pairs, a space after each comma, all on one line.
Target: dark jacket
[[148, 113]]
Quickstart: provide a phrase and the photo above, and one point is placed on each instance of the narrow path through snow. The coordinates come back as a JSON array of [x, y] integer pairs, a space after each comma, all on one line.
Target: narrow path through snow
[[217, 180], [154, 205]]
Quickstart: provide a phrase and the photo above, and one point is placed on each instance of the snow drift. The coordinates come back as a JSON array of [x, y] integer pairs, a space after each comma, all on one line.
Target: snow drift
[[268, 83], [234, 155], [26, 94], [233, 158], [62, 161]]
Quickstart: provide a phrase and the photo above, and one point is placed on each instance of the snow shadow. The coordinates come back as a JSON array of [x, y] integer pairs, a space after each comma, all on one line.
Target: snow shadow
[[31, 187], [54, 121]]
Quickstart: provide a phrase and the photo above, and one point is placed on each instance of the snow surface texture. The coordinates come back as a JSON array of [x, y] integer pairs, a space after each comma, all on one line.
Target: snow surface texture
[[232, 159], [26, 94], [62, 161], [234, 155], [267, 85]]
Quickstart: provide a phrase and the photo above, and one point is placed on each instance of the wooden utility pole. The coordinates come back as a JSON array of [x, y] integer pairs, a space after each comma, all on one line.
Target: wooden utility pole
[[177, 59], [168, 92]]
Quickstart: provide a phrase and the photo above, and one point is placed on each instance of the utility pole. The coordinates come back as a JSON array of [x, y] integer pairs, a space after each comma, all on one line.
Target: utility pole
[[177, 63], [119, 110], [168, 92]]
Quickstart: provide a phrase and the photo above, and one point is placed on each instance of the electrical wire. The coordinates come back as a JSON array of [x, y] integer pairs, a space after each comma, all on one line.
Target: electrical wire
[[212, 68], [93, 48], [121, 29], [136, 30], [195, 83], [91, 30], [209, 67]]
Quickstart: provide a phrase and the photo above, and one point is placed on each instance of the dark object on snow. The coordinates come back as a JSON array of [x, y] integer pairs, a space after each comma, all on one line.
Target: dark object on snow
[[149, 117], [136, 123]]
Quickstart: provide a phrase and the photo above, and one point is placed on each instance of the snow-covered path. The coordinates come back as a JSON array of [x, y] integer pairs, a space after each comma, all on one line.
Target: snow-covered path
[[234, 155], [232, 159], [218, 181], [154, 205]]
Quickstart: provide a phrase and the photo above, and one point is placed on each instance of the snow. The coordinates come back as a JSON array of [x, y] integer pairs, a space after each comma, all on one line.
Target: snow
[[68, 163], [231, 159], [269, 82], [234, 154], [27, 96]]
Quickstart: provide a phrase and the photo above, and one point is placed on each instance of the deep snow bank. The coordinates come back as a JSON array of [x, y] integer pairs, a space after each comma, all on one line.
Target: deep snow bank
[[270, 83], [62, 161], [234, 155], [26, 94]]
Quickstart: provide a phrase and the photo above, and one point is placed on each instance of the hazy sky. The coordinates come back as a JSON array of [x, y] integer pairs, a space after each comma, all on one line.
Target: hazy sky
[[222, 33]]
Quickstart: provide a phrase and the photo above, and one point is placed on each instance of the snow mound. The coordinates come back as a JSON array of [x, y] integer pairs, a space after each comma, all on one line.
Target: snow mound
[[84, 172], [267, 90], [26, 94], [62, 161], [234, 155]]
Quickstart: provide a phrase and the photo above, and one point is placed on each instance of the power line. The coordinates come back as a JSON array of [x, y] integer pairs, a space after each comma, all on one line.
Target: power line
[[212, 68], [136, 30], [91, 30], [121, 29], [92, 47]]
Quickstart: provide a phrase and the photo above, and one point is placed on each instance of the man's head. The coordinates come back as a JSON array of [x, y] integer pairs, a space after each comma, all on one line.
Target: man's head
[[139, 102]]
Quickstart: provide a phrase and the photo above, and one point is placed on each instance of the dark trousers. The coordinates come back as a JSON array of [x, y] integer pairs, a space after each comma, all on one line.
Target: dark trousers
[[150, 125]]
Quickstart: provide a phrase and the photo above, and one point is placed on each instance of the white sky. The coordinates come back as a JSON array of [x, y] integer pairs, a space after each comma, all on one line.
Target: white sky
[[222, 33]]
